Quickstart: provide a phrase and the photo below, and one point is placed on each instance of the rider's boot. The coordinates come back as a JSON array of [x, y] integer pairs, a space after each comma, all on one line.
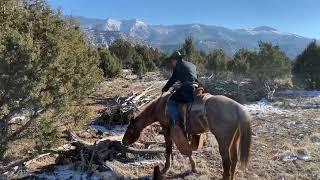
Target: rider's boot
[[179, 138]]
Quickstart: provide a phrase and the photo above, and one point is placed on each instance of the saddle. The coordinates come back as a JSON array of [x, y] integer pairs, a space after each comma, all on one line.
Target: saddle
[[183, 137]]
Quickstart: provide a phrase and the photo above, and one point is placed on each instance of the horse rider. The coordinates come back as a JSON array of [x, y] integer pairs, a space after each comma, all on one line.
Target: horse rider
[[186, 73]]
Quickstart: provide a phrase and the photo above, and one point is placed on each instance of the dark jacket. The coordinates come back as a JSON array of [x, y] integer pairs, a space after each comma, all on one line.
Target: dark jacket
[[185, 72]]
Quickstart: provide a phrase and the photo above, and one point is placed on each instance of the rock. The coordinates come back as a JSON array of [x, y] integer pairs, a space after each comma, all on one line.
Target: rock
[[301, 135], [296, 124], [16, 168], [317, 120], [253, 176], [302, 154], [315, 139], [284, 176]]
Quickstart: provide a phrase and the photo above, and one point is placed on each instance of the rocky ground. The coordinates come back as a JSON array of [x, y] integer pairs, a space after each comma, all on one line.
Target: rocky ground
[[286, 143]]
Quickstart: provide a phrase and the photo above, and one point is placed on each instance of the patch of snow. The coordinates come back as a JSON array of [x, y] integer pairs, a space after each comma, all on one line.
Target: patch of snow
[[263, 106], [246, 31], [113, 25], [289, 158], [65, 147], [251, 32], [15, 118], [140, 23], [303, 93], [64, 172], [297, 36], [126, 71], [131, 77], [196, 27], [264, 28], [68, 172], [16, 168], [225, 36], [21, 115], [280, 33], [317, 143], [115, 131], [143, 161]]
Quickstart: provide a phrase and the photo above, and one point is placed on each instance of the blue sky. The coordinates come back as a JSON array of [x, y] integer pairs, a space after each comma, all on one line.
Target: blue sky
[[296, 16]]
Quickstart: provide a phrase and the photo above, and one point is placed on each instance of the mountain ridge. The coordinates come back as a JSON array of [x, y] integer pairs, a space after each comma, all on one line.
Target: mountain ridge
[[206, 37]]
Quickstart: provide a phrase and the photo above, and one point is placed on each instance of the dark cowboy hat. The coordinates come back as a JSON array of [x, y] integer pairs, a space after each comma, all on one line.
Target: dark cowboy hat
[[176, 56]]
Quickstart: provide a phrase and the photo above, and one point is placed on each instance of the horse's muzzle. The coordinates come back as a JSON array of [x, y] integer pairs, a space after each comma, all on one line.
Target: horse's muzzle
[[124, 143]]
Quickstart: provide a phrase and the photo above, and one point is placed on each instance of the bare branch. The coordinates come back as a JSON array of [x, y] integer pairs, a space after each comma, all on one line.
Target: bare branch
[[11, 137]]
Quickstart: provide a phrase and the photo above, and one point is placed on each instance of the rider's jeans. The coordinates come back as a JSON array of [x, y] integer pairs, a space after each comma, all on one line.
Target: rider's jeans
[[174, 112]]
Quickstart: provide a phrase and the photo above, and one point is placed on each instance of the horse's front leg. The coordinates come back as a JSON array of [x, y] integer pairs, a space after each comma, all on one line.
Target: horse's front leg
[[193, 164], [168, 152]]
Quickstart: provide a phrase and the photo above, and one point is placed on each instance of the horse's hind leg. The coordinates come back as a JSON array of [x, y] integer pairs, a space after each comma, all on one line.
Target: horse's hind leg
[[226, 162], [234, 160], [224, 142], [228, 152], [233, 152]]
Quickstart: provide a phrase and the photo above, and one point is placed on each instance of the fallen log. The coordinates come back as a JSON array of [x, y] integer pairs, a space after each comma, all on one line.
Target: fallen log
[[101, 151]]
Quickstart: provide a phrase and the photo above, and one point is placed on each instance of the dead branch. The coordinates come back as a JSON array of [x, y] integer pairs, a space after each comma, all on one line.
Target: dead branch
[[148, 143], [136, 99], [24, 161], [17, 132], [108, 144], [16, 163], [142, 151]]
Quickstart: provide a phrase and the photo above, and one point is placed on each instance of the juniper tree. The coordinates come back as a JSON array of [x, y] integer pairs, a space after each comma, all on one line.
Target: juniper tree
[[109, 63], [46, 67], [306, 68], [269, 64]]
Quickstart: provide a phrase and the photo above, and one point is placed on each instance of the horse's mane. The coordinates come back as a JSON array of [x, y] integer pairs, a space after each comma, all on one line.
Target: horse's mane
[[147, 108], [151, 106]]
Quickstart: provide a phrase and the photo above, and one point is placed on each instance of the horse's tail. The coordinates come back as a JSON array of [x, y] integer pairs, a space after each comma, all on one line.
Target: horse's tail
[[245, 141]]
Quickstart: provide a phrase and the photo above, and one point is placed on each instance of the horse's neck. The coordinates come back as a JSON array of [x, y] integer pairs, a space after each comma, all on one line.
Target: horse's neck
[[154, 112], [147, 116]]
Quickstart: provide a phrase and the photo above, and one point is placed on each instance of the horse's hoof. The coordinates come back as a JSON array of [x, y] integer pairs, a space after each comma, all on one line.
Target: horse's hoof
[[194, 171], [163, 171], [157, 175]]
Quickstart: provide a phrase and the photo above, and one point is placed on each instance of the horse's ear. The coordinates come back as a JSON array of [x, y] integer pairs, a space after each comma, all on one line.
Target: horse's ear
[[135, 113], [131, 118]]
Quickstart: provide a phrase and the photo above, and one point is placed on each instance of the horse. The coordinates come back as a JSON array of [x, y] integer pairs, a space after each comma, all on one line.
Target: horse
[[225, 118]]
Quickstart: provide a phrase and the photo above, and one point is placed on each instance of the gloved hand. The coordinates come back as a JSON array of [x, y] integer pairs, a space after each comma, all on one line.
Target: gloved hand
[[164, 89]]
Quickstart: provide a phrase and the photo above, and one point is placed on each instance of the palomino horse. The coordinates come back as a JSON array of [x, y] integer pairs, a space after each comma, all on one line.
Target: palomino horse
[[224, 117]]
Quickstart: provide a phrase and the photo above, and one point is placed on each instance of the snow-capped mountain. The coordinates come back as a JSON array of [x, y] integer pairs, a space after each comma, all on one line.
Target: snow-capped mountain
[[206, 37]]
